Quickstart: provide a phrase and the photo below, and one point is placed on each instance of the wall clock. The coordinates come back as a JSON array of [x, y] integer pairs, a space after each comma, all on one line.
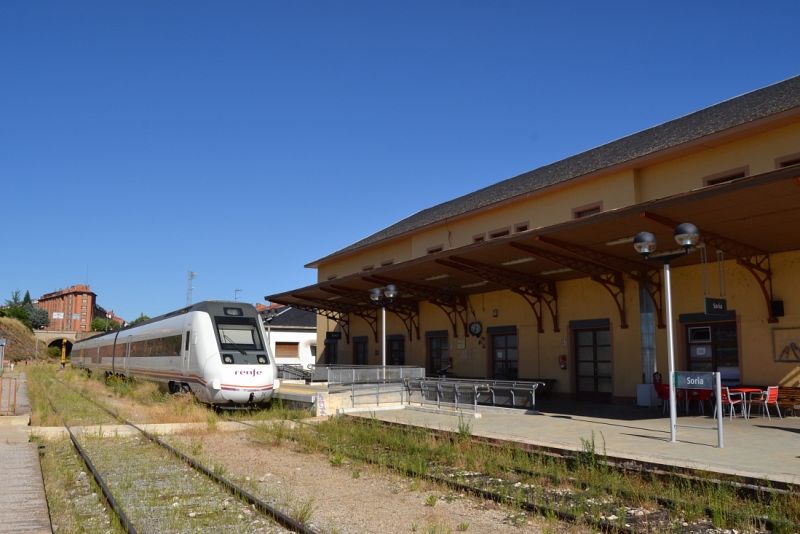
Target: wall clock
[[475, 328]]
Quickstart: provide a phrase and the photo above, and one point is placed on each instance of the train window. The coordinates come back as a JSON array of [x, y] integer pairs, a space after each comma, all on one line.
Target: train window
[[238, 334], [188, 335], [237, 312]]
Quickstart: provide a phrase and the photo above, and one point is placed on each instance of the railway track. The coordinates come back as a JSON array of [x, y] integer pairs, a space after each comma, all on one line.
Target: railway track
[[150, 491], [606, 509]]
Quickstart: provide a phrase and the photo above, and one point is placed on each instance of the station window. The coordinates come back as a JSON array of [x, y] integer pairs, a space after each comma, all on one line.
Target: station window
[[521, 227], [502, 232], [386, 263], [787, 161], [727, 176], [367, 268], [480, 238], [435, 249], [589, 209]]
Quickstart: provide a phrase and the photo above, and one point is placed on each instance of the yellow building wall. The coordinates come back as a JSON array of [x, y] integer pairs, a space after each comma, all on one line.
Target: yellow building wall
[[686, 173], [585, 299], [396, 251], [555, 205]]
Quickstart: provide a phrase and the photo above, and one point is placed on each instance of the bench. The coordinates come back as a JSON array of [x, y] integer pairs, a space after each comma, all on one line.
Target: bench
[[789, 400], [547, 385]]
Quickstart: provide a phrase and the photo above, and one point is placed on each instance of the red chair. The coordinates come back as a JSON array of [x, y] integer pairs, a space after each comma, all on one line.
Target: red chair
[[732, 400], [765, 398], [662, 392], [701, 396]]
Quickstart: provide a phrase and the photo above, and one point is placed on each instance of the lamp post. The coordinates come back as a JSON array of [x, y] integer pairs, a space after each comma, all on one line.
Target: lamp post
[[686, 235], [381, 296]]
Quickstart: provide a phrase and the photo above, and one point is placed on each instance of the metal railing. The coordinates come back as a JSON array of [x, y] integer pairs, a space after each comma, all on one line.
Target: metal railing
[[373, 394], [466, 394], [294, 371], [8, 395], [366, 374]]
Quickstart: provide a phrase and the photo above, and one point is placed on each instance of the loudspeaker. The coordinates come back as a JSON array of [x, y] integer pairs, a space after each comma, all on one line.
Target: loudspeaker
[[777, 308]]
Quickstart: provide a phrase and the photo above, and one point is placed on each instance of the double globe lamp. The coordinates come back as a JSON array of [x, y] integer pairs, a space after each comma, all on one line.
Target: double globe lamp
[[381, 296], [687, 236]]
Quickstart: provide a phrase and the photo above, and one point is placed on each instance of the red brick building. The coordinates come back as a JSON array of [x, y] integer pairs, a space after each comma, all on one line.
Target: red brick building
[[69, 309]]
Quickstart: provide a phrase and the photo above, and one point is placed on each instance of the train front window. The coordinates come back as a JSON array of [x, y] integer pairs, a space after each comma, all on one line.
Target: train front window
[[238, 335]]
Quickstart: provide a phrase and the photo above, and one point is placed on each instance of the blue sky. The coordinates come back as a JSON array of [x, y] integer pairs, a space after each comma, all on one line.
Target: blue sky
[[242, 140]]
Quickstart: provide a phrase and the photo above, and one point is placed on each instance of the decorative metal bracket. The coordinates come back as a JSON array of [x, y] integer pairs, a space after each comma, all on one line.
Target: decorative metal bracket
[[536, 291], [645, 274], [611, 280], [453, 305], [328, 311], [756, 261]]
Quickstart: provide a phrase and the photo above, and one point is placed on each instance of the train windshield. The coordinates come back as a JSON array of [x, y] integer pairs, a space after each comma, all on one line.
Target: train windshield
[[238, 334]]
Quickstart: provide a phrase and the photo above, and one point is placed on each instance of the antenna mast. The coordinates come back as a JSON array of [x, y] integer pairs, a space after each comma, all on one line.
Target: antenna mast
[[189, 287]]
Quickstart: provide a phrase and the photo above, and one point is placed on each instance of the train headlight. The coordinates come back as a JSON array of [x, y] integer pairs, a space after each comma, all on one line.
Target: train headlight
[[262, 358], [227, 358]]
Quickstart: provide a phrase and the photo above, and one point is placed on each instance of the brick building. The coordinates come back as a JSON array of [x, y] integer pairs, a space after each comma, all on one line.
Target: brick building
[[71, 309]]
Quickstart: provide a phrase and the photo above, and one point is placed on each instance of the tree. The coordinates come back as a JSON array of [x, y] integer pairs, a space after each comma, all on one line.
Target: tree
[[142, 318], [27, 298], [38, 317], [101, 324], [15, 300], [14, 308]]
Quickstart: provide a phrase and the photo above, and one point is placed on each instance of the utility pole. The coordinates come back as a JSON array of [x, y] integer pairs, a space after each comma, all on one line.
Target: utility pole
[[189, 287]]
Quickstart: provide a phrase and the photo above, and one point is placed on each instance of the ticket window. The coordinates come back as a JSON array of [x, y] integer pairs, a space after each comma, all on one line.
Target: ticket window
[[714, 347]]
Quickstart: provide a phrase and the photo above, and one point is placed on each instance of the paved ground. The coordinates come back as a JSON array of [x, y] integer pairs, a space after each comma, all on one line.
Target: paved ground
[[23, 507], [759, 447]]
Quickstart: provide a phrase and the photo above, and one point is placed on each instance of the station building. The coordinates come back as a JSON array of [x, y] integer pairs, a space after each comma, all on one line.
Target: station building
[[536, 277], [69, 309]]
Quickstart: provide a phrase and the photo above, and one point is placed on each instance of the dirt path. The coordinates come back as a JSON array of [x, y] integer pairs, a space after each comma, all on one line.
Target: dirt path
[[349, 498]]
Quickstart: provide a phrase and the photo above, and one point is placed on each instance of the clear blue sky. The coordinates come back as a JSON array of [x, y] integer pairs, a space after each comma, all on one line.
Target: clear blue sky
[[242, 140]]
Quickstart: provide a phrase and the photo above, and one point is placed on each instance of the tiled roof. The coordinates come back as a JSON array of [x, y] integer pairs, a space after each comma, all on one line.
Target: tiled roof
[[759, 104], [289, 317]]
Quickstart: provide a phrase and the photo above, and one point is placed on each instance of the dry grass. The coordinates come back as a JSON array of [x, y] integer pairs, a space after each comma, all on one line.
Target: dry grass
[[20, 341]]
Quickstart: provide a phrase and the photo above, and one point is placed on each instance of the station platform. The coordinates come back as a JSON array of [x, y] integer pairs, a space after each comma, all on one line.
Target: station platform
[[23, 505], [759, 448]]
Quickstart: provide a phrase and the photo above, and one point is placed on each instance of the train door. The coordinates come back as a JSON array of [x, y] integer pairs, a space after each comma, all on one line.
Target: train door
[[126, 352], [187, 347]]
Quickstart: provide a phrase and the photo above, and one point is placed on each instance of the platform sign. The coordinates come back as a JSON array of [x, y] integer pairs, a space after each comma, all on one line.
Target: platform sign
[[689, 380], [692, 380], [716, 306]]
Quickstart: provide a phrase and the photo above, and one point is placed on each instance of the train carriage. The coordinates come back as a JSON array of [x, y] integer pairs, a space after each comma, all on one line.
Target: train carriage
[[215, 349]]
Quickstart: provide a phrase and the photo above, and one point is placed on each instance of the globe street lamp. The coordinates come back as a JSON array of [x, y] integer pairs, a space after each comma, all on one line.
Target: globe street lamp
[[381, 296], [686, 235]]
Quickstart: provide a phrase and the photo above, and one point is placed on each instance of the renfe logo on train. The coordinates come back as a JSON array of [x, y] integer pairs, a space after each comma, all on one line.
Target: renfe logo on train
[[251, 372]]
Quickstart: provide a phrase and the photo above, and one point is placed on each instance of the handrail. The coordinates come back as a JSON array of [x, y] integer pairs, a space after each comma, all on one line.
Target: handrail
[[456, 388]]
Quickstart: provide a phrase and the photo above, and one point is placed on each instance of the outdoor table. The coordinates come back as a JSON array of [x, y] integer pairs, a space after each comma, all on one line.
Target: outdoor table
[[746, 394]]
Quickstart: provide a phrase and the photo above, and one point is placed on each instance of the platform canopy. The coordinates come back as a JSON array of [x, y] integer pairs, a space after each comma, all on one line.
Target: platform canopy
[[747, 219]]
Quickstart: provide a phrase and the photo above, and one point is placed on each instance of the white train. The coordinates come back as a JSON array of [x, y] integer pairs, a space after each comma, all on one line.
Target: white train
[[214, 349]]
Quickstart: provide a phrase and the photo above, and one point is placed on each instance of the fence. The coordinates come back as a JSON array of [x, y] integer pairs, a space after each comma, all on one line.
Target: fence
[[8, 395], [366, 374], [372, 394], [294, 372], [462, 394]]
